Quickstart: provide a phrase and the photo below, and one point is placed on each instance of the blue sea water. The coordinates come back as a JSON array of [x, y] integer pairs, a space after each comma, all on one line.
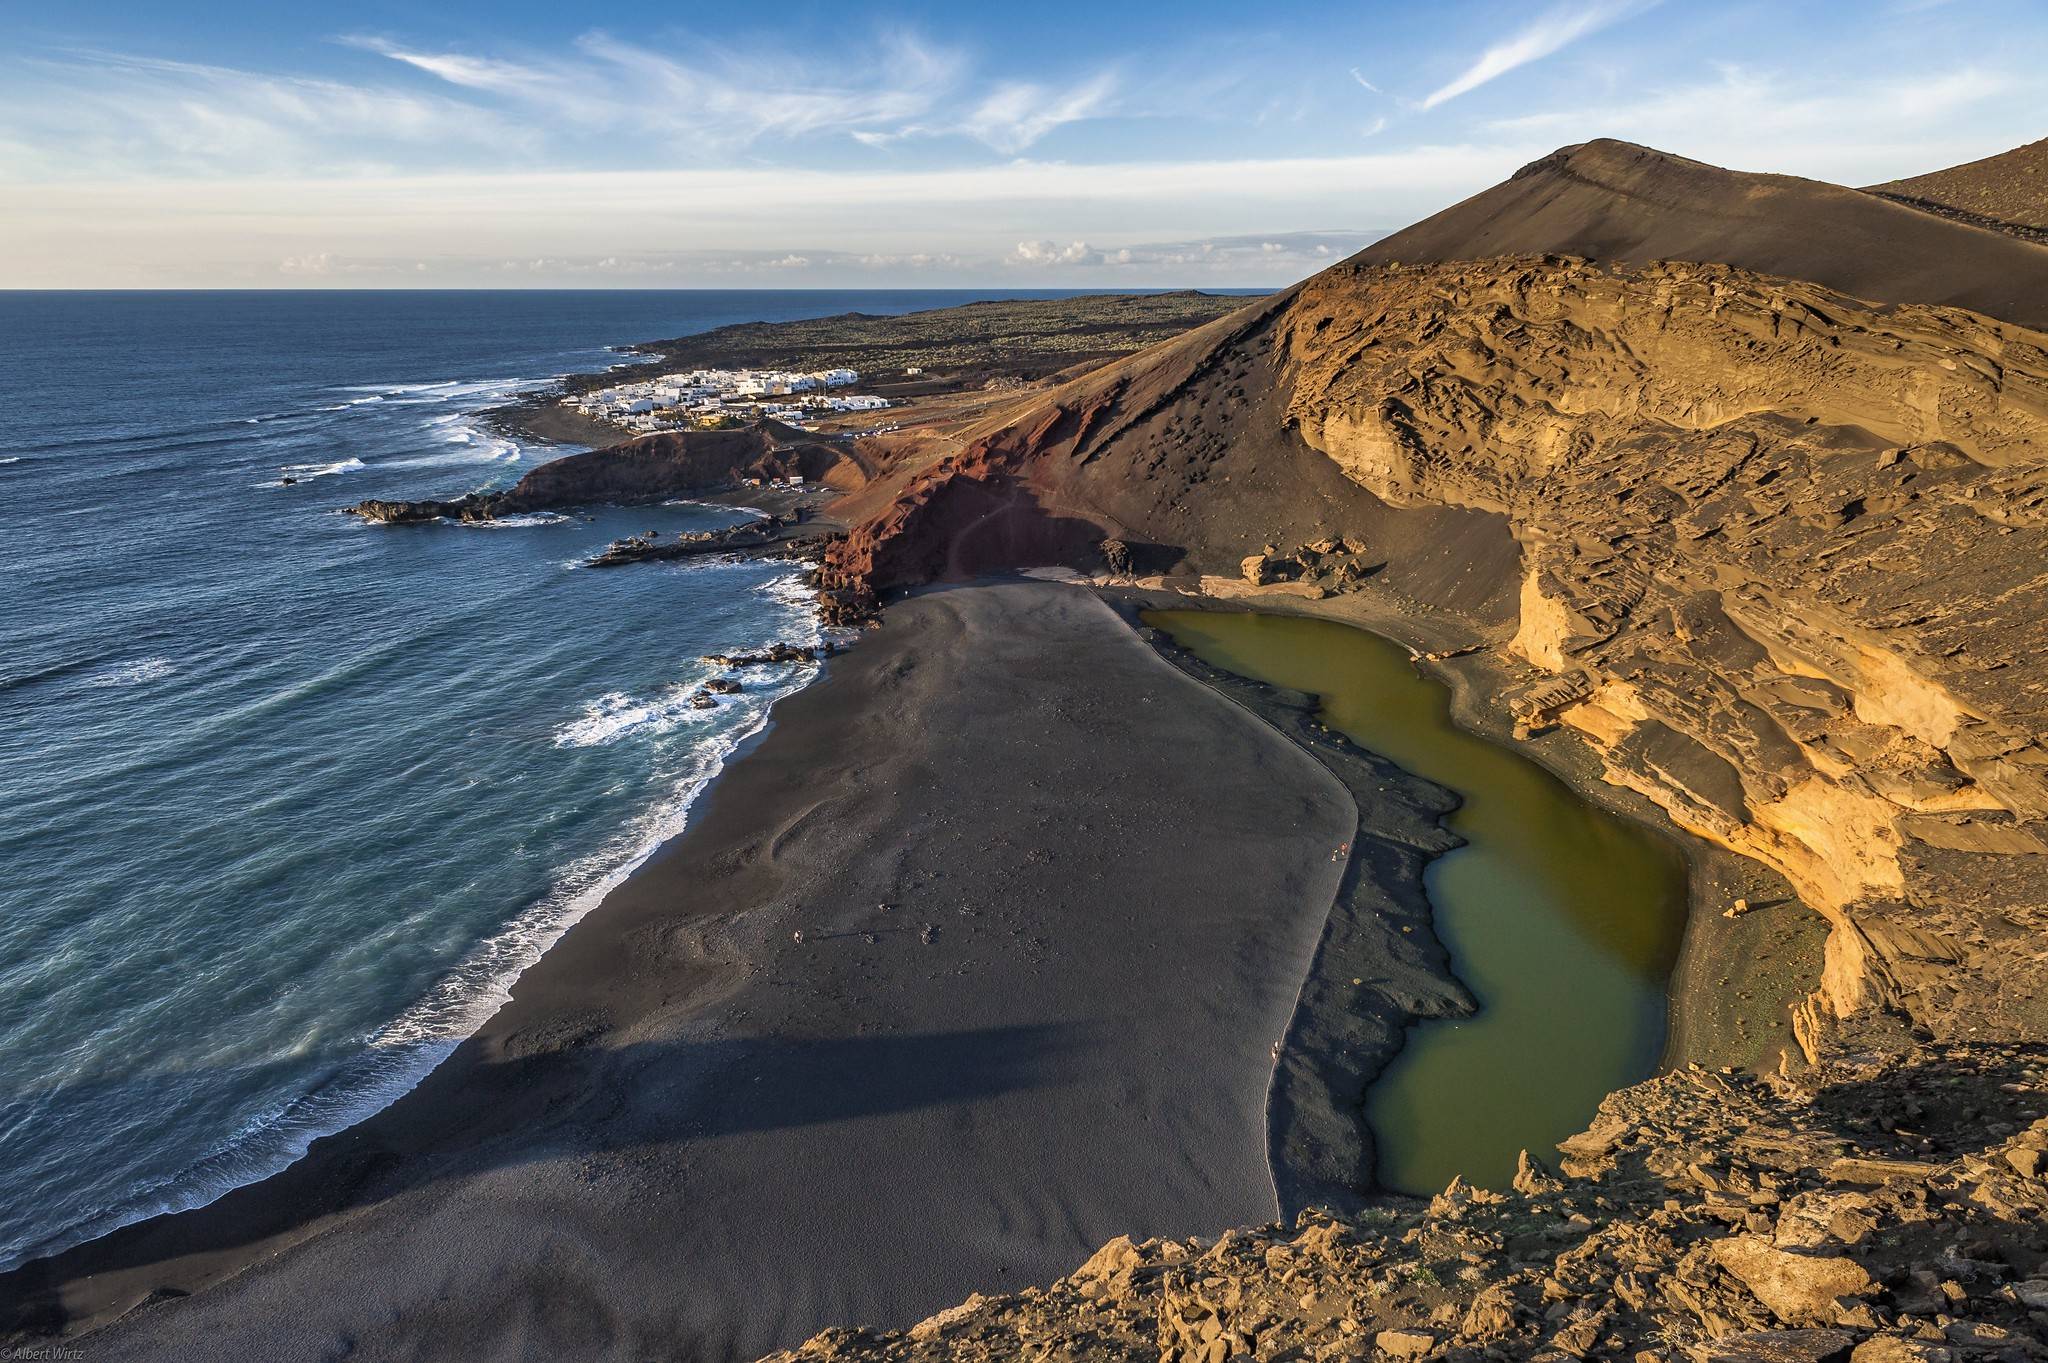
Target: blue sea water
[[287, 801]]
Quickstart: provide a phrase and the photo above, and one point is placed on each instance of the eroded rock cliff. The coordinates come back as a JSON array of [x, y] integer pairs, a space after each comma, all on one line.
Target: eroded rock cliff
[[1785, 540]]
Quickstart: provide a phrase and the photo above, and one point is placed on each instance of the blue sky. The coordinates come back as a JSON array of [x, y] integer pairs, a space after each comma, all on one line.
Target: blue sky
[[797, 145]]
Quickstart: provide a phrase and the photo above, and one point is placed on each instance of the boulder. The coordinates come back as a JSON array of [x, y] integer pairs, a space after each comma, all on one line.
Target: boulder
[[1269, 566], [1405, 1343], [1898, 1349], [1531, 1178], [1799, 1289], [1115, 1257], [1490, 1316]]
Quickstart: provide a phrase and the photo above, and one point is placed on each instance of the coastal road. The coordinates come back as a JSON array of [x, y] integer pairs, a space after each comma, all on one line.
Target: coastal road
[[973, 962]]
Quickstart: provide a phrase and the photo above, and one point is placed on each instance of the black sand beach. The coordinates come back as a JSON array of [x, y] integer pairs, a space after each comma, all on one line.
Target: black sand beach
[[1056, 901]]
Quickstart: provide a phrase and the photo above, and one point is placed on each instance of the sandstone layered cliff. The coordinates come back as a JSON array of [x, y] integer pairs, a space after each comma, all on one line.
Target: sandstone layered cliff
[[1791, 544]]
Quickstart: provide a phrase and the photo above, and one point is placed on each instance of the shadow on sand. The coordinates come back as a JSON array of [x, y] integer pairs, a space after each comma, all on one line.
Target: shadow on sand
[[570, 1096]]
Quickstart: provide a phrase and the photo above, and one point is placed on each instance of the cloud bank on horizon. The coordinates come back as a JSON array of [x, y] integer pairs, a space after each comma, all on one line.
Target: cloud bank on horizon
[[450, 145]]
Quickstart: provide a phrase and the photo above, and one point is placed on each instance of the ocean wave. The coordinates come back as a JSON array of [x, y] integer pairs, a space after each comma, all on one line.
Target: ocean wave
[[300, 473], [469, 995], [517, 522], [382, 388], [488, 446], [132, 674], [349, 465], [617, 715], [9, 459], [440, 391]]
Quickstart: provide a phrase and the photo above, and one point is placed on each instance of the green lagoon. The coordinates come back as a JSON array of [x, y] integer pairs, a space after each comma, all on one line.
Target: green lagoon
[[1563, 919]]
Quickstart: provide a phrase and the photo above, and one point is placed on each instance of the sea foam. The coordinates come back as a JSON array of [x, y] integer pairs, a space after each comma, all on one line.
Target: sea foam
[[132, 674]]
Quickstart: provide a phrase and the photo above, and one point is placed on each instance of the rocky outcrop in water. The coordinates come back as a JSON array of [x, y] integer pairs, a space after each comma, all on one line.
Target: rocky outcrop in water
[[774, 654], [652, 548], [652, 468], [475, 506]]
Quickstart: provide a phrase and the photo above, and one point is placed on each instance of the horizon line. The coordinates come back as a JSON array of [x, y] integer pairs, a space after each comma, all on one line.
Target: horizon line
[[647, 288]]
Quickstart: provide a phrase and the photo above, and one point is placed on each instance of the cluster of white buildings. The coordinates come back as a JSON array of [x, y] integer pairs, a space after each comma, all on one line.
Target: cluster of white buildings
[[704, 397]]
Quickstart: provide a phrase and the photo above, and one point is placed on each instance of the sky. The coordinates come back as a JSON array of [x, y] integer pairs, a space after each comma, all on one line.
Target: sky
[[153, 144]]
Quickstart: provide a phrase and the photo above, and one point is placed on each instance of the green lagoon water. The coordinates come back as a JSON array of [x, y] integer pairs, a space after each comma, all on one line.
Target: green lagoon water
[[1562, 919]]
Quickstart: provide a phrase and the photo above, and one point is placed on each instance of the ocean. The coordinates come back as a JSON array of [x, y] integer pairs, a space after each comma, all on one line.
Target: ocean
[[287, 801]]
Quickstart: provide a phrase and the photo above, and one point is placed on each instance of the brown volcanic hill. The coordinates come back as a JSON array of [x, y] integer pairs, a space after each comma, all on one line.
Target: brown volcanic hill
[[2008, 192], [1772, 553], [1615, 202]]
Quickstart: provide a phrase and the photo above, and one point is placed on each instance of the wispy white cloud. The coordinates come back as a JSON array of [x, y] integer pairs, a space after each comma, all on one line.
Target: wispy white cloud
[[1360, 78], [721, 98], [1543, 36], [1017, 114], [83, 113], [718, 99], [88, 112]]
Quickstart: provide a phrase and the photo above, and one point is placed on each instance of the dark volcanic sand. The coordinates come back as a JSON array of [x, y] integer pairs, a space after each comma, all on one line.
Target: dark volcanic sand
[[689, 1136]]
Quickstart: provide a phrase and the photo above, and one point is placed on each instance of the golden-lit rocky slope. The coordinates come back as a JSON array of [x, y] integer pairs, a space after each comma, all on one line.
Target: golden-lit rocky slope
[[1788, 548], [1776, 553], [1703, 1216]]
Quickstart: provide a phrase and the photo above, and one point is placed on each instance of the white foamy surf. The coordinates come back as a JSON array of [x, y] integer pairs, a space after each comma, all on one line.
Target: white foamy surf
[[131, 674]]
